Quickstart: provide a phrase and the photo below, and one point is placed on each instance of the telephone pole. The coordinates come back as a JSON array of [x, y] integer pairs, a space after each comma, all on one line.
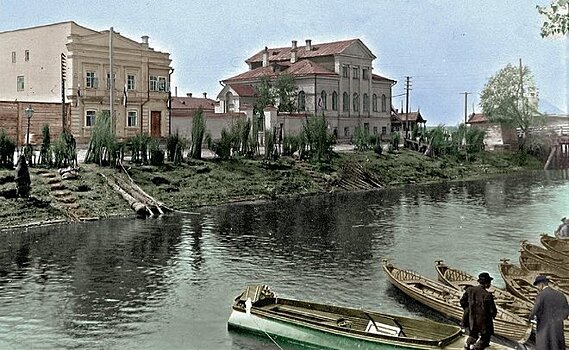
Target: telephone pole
[[465, 105], [63, 76], [407, 89]]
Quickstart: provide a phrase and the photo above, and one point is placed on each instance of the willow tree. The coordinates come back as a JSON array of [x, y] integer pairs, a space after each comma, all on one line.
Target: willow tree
[[510, 98], [556, 18]]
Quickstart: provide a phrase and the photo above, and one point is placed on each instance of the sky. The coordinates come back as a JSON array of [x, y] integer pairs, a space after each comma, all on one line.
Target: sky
[[447, 47]]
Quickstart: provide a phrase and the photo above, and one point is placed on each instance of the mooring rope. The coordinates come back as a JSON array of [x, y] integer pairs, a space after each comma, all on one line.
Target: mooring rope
[[268, 335]]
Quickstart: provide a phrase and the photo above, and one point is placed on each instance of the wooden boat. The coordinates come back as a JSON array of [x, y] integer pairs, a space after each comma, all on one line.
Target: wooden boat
[[518, 281], [259, 310], [537, 266], [555, 244], [459, 280], [552, 258], [446, 300]]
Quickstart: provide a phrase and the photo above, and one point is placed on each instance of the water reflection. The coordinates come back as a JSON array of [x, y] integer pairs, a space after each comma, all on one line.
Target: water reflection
[[168, 283]]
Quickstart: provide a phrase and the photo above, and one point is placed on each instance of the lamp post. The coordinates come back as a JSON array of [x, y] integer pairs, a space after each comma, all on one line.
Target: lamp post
[[29, 114]]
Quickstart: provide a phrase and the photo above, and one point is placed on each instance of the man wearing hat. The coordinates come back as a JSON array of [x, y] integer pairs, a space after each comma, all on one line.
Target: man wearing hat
[[550, 309], [563, 229], [479, 304]]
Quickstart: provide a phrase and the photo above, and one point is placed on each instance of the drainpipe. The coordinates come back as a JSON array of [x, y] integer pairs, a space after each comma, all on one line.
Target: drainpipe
[[170, 101]]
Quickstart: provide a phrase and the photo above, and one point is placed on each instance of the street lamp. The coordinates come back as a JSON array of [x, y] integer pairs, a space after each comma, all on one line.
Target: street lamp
[[29, 114]]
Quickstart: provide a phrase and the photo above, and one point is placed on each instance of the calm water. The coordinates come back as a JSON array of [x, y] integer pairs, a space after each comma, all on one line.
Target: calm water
[[168, 283]]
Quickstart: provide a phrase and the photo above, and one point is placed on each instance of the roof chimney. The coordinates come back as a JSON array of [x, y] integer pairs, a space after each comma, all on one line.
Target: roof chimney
[[175, 91], [308, 45], [144, 40], [205, 95], [293, 52], [266, 57], [189, 94]]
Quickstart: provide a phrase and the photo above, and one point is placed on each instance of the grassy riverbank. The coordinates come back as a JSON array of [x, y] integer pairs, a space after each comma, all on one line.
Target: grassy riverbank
[[211, 182]]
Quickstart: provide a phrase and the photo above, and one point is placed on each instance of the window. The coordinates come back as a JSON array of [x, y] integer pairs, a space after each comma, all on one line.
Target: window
[[131, 119], [356, 73], [347, 131], [27, 55], [334, 101], [345, 73], [366, 103], [374, 103], [365, 74], [323, 97], [345, 102], [130, 82], [384, 130], [13, 56], [356, 103], [162, 86], [153, 81], [383, 103], [20, 83], [91, 81], [90, 118], [301, 101], [366, 128], [375, 130], [109, 80]]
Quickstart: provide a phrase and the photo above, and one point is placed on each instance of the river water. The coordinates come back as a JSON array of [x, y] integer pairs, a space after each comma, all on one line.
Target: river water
[[168, 283]]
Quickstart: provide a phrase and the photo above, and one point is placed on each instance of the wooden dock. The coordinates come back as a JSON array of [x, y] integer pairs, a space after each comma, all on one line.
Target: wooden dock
[[559, 154]]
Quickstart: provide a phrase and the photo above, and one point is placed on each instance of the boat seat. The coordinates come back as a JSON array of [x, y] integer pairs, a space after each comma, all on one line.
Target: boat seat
[[382, 328]]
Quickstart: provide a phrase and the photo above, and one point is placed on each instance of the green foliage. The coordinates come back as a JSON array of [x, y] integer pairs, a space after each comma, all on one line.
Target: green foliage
[[291, 144], [138, 146], [175, 146], [7, 149], [221, 147], [502, 102], [240, 136], [198, 131], [64, 150], [465, 141], [22, 178], [285, 93], [361, 139], [556, 18], [46, 157], [156, 154], [29, 154], [265, 96], [270, 150], [319, 141], [103, 147]]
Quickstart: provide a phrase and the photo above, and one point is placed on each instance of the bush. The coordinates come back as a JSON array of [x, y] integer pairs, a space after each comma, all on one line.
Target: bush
[[156, 154], [7, 149], [64, 150], [318, 140], [221, 147], [46, 157], [361, 139], [138, 146], [198, 131], [291, 145], [175, 146], [103, 147]]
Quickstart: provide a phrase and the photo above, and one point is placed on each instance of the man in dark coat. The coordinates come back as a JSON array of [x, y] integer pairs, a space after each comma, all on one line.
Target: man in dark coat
[[479, 304], [550, 309]]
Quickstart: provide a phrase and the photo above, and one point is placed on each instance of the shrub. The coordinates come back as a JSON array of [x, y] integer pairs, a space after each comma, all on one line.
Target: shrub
[[318, 140], [175, 146], [64, 150], [46, 157], [103, 148], [7, 149], [198, 131]]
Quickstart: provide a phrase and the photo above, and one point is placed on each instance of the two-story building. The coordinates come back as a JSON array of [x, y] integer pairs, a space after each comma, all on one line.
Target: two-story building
[[31, 71], [335, 79]]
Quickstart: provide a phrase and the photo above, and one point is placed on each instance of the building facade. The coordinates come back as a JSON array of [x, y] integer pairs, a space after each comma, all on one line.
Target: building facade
[[335, 79], [31, 72]]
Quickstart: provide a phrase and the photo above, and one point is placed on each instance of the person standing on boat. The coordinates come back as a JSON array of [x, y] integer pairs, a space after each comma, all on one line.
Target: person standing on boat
[[550, 309], [563, 229], [479, 304]]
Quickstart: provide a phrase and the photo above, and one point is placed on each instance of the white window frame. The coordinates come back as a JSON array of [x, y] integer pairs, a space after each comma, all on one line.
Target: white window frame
[[91, 81], [13, 56], [355, 72], [129, 123], [91, 118], [153, 83], [345, 71], [109, 80], [130, 83], [162, 84], [20, 83]]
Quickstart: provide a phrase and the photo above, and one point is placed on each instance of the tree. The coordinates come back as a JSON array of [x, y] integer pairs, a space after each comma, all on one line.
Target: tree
[[556, 18], [506, 99], [265, 96], [198, 131], [285, 91]]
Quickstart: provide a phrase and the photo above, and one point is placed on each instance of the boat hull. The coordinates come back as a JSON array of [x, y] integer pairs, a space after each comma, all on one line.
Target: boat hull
[[265, 326]]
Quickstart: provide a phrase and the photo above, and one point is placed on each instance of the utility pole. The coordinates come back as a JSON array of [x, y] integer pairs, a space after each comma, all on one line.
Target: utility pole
[[465, 105], [407, 89], [111, 81], [63, 76]]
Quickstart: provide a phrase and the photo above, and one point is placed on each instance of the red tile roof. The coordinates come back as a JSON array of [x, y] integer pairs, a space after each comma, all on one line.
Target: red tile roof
[[324, 49], [192, 103], [380, 78], [243, 90], [414, 117], [475, 118], [298, 69]]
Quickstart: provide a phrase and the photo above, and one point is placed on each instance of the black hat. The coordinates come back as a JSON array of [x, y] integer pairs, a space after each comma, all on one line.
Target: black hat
[[484, 277], [540, 279]]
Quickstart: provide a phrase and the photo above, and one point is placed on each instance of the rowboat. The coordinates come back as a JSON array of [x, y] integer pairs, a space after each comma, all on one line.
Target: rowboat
[[550, 257], [559, 245], [538, 266], [260, 311], [459, 279], [446, 300], [518, 281]]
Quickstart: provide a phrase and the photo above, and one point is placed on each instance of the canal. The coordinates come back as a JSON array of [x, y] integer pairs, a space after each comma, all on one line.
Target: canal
[[168, 283]]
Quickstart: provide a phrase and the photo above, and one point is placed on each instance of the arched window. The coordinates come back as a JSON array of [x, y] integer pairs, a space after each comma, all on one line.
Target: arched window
[[383, 103], [334, 101], [366, 103], [356, 103], [301, 101], [229, 106], [346, 102], [374, 103], [323, 104]]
